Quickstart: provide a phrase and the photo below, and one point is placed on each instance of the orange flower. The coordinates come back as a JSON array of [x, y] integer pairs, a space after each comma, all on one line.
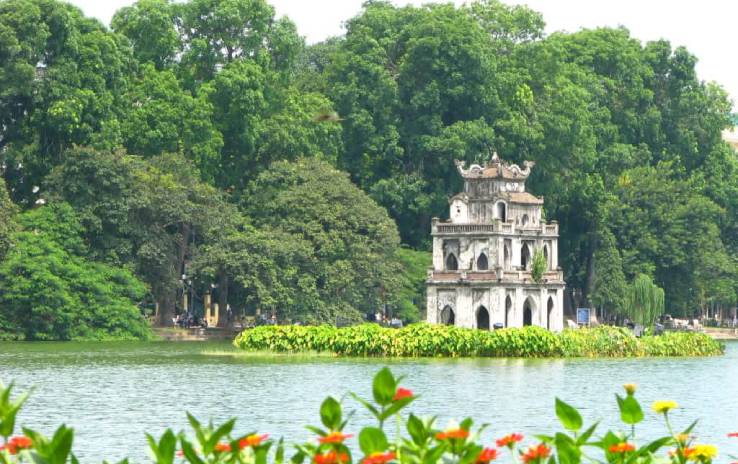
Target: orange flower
[[459, 434], [252, 440], [334, 437], [402, 393], [510, 440], [379, 457], [487, 455], [330, 457], [222, 448], [16, 444], [536, 453], [623, 447]]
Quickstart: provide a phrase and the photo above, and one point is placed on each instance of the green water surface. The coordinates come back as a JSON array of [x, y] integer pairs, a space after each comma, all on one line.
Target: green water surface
[[112, 392]]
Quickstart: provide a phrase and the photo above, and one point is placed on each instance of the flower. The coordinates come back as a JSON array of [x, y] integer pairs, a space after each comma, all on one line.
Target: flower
[[701, 452], [630, 388], [487, 455], [330, 457], [509, 440], [664, 406], [622, 447], [536, 453], [252, 440], [379, 457], [457, 433], [733, 435], [402, 393], [682, 438], [16, 444], [222, 448], [334, 437]]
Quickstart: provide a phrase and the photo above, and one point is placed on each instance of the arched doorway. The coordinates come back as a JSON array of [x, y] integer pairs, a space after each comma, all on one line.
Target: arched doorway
[[451, 263], [508, 311], [528, 312], [549, 312], [482, 263], [502, 211], [525, 256], [482, 318], [447, 316]]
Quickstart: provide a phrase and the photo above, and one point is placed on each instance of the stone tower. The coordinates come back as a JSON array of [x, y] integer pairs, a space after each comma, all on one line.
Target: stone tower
[[482, 255]]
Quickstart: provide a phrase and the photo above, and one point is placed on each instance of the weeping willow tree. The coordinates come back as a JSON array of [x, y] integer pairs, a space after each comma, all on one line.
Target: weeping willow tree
[[644, 301]]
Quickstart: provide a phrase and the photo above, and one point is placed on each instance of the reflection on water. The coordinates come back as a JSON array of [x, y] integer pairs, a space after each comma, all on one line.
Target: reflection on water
[[111, 393]]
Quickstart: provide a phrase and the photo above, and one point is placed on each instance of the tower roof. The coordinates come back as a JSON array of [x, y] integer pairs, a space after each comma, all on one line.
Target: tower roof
[[495, 168]]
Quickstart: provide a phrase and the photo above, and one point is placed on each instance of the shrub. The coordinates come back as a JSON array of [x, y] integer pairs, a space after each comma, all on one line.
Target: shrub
[[427, 340]]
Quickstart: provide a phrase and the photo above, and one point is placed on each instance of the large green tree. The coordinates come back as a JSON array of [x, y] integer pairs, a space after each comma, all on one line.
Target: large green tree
[[50, 291]]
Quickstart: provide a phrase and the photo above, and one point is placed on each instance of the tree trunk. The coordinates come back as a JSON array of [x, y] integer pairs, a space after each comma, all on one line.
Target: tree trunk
[[223, 300], [166, 309]]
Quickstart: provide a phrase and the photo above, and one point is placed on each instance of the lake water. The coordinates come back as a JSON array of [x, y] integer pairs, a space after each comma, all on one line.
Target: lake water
[[112, 392]]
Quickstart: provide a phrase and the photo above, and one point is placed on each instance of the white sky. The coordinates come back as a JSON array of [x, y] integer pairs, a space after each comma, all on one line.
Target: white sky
[[705, 27]]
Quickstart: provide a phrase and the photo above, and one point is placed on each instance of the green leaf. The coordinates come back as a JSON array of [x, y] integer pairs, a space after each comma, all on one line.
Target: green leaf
[[372, 440], [568, 415], [384, 387], [416, 429], [630, 410], [330, 413], [567, 449]]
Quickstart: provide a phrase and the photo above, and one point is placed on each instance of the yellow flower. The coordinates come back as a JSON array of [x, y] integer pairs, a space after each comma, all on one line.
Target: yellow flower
[[630, 388], [682, 438], [664, 406], [702, 452]]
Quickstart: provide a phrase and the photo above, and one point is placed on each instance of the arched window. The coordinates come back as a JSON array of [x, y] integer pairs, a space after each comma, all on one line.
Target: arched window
[[482, 318], [528, 312], [447, 316], [525, 256], [545, 255], [525, 220], [508, 311], [502, 211], [482, 264], [549, 312], [451, 263]]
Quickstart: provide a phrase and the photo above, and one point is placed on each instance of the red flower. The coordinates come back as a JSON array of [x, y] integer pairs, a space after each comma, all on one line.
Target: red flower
[[16, 444], [623, 447], [379, 457], [487, 455], [509, 440], [330, 457], [222, 447], [536, 453], [733, 435], [402, 393], [334, 437], [252, 440], [459, 434]]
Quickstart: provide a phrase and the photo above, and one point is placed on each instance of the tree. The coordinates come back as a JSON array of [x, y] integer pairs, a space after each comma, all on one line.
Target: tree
[[7, 219], [538, 266], [150, 27], [644, 301], [49, 291], [609, 286], [351, 240]]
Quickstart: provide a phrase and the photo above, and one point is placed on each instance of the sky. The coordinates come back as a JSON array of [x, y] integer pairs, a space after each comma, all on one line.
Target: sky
[[705, 27]]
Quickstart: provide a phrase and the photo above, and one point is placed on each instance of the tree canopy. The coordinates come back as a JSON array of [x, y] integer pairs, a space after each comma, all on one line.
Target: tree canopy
[[205, 139]]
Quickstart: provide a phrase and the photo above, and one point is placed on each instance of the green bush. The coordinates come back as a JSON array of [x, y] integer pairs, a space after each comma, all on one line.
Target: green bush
[[427, 340]]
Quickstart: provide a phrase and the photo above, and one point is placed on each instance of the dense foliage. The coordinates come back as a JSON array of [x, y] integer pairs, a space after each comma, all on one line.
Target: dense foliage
[[439, 340], [176, 135], [49, 291], [416, 439]]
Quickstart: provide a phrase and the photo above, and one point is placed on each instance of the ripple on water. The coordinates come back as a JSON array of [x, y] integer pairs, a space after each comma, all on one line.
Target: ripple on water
[[111, 393]]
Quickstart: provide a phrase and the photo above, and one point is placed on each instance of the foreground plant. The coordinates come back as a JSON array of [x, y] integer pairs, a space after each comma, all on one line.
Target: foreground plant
[[395, 438]]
